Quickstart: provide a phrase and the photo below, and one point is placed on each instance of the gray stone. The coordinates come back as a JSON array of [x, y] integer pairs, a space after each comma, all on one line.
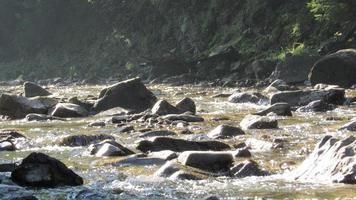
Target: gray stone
[[225, 131], [33, 90], [130, 94], [280, 109], [162, 133], [84, 140], [68, 110], [246, 169], [183, 117], [109, 148], [186, 105], [316, 106], [162, 107], [258, 122], [247, 97], [351, 126]]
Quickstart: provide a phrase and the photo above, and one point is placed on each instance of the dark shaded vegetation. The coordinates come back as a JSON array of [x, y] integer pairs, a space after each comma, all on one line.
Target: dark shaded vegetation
[[104, 38]]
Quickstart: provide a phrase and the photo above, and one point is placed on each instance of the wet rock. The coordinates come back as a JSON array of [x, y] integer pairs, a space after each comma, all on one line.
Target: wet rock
[[84, 140], [168, 169], [316, 106], [332, 160], [186, 105], [97, 124], [304, 97], [260, 69], [86, 105], [162, 133], [277, 85], [183, 117], [17, 107], [125, 129], [7, 145], [40, 170], [109, 148], [162, 107], [130, 94], [338, 68], [136, 160], [258, 122], [242, 153], [225, 131], [184, 175], [68, 110], [212, 198], [246, 169], [294, 69], [175, 171], [33, 90], [246, 97], [351, 126], [280, 109], [180, 145], [7, 167], [207, 161], [41, 117], [120, 119], [10, 140], [165, 155], [24, 198]]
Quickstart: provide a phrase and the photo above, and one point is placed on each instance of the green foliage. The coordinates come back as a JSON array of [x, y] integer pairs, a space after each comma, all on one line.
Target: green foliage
[[328, 10], [296, 49]]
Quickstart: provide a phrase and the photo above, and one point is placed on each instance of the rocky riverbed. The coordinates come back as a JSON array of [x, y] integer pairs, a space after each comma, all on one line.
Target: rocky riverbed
[[223, 142]]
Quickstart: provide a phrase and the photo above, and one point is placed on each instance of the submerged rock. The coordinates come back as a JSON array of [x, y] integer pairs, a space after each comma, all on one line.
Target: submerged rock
[[162, 107], [280, 109], [180, 145], [68, 110], [258, 122], [338, 68], [208, 161], [183, 117], [225, 131], [40, 170], [84, 140], [33, 90], [186, 105], [40, 117], [332, 160], [130, 94], [109, 148], [246, 97]]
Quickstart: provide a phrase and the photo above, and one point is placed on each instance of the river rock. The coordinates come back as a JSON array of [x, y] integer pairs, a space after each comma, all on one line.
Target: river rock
[[162, 133], [304, 97], [258, 122], [86, 105], [225, 131], [125, 129], [165, 155], [207, 161], [316, 106], [162, 107], [139, 160], [277, 85], [338, 68], [68, 110], [40, 170], [97, 124], [247, 168], [10, 140], [130, 94], [332, 160], [186, 105], [183, 117], [294, 69], [109, 148], [175, 171], [83, 140], [351, 126], [167, 169], [40, 117], [17, 107], [180, 145], [280, 109], [247, 97], [34, 90]]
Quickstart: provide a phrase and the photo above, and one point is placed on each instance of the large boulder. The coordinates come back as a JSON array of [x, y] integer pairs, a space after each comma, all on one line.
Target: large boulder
[[33, 90], [225, 131], [332, 160], [180, 145], [131, 94], [40, 170], [18, 107], [338, 68], [68, 110], [294, 69], [304, 97], [208, 161]]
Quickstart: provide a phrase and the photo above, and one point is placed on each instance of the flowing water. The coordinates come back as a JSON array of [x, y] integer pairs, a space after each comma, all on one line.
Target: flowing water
[[104, 181]]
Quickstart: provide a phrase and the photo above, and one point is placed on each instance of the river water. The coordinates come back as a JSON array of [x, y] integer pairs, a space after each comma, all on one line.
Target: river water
[[104, 181]]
